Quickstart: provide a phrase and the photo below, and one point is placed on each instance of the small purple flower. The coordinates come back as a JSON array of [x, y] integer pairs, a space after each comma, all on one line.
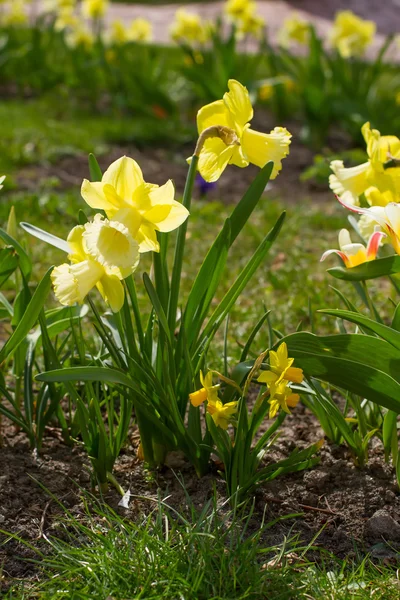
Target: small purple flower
[[204, 186]]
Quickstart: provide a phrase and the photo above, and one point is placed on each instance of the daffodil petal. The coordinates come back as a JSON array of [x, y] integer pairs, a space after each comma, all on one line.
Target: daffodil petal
[[238, 103], [215, 113], [93, 194], [73, 282], [124, 175], [260, 148], [351, 180], [147, 239], [75, 242], [214, 158], [112, 290]]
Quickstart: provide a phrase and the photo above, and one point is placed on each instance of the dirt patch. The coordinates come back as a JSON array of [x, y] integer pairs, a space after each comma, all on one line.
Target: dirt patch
[[336, 499]]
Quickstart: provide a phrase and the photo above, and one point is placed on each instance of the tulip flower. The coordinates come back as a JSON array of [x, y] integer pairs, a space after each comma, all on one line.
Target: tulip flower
[[280, 368], [356, 254], [221, 413], [102, 253], [294, 29], [351, 35], [239, 145], [143, 208], [207, 392], [350, 183], [281, 397]]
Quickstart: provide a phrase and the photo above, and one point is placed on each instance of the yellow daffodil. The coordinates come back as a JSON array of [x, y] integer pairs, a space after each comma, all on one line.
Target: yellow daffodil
[[221, 413], [102, 253], [356, 254], [141, 30], [80, 37], [294, 30], [367, 226], [281, 397], [387, 218], [251, 25], [118, 33], [94, 9], [207, 392], [2, 178], [66, 19], [265, 92], [350, 183], [239, 9], [143, 208], [234, 112], [280, 367], [189, 27], [351, 35], [59, 5], [15, 14]]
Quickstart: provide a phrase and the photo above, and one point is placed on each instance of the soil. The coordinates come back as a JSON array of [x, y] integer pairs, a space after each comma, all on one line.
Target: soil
[[336, 500]]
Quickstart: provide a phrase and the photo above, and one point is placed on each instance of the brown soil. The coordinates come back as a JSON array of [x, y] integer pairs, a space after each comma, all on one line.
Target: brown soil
[[335, 498]]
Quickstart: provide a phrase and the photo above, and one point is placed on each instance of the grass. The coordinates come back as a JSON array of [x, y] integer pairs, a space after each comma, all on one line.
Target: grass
[[207, 553]]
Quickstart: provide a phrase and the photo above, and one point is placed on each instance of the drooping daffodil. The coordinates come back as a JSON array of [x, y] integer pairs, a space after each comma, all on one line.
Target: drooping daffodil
[[280, 368], [143, 208], [281, 397], [387, 219], [294, 30], [102, 253], [350, 34], [222, 414], [356, 254], [242, 145], [207, 392], [372, 176]]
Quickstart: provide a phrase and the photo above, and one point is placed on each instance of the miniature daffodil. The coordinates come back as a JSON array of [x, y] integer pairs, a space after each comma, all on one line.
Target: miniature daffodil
[[281, 397], [102, 253], [350, 183], [221, 413], [244, 146], [294, 30], [351, 35], [280, 367], [207, 392], [356, 254], [143, 208]]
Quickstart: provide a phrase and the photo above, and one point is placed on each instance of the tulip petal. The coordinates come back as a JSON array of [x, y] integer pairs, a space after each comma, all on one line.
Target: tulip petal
[[330, 252], [374, 243]]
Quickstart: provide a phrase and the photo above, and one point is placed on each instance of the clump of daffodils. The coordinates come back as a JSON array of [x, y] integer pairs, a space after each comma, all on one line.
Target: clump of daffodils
[[278, 377], [351, 35], [375, 184], [243, 13], [236, 142], [221, 414], [295, 30], [139, 30], [107, 250], [189, 28]]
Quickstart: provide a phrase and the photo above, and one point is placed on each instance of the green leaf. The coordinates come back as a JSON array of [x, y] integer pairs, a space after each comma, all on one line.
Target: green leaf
[[25, 263], [369, 270], [49, 238], [29, 318], [94, 169], [364, 365], [9, 261], [87, 374], [386, 333], [396, 318]]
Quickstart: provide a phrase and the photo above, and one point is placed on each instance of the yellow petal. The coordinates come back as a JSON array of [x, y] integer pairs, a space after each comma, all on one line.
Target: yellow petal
[[267, 377], [72, 283], [124, 175], [167, 217], [238, 103], [75, 242], [294, 374], [238, 158], [198, 397], [260, 148], [94, 196], [215, 113], [147, 239], [352, 181], [214, 158], [112, 290]]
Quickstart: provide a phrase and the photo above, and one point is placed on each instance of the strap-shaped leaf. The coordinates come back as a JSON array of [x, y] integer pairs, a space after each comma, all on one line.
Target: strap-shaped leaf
[[49, 238], [25, 263], [9, 260], [386, 333], [369, 270], [364, 365]]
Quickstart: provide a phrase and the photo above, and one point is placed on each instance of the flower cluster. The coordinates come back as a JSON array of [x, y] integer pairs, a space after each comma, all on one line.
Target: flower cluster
[[106, 250], [278, 377], [376, 183], [222, 414]]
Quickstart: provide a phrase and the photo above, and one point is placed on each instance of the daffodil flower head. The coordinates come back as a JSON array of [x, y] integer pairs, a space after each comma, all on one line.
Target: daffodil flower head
[[208, 392], [66, 19], [16, 14], [143, 208], [118, 33], [281, 397], [280, 368], [356, 254], [294, 30], [251, 25], [94, 9], [222, 414], [102, 253], [351, 35], [233, 113], [350, 183], [189, 27], [140, 30], [239, 9]]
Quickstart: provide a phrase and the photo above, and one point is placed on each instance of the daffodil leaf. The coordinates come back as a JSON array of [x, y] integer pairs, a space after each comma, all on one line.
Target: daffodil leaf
[[387, 333], [94, 168], [364, 365], [9, 261], [49, 238], [369, 270], [25, 263]]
